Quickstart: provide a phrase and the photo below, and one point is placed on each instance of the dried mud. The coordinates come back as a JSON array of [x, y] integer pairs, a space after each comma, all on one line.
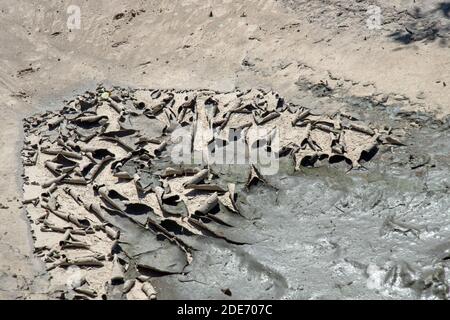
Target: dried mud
[[365, 221]]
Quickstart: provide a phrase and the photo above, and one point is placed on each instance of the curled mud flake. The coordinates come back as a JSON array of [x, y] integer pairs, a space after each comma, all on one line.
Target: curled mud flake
[[155, 94], [89, 261], [76, 197], [242, 126], [221, 121], [338, 149], [306, 137], [391, 140], [128, 285], [145, 183], [31, 158], [237, 105], [171, 205], [139, 212], [48, 227], [360, 128], [76, 181], [210, 187], [261, 118], [254, 177], [305, 159], [87, 103], [117, 273], [69, 217], [349, 115], [71, 242], [52, 203], [56, 180], [34, 201], [197, 178], [326, 127], [208, 205], [368, 151], [160, 148], [118, 133], [116, 106], [232, 196], [98, 167], [97, 210], [225, 121], [112, 198], [86, 290], [149, 290], [111, 231], [60, 165], [49, 191], [185, 107], [212, 108], [153, 110], [175, 172], [90, 119], [55, 122], [56, 151]]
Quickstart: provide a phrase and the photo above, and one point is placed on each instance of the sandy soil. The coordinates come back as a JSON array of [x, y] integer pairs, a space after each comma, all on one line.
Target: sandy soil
[[219, 45]]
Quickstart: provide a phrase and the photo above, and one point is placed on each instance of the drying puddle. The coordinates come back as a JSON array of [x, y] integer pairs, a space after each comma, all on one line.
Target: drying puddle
[[144, 194]]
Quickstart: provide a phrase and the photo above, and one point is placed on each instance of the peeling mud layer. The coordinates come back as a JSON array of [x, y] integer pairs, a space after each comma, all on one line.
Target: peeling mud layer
[[355, 208], [104, 193]]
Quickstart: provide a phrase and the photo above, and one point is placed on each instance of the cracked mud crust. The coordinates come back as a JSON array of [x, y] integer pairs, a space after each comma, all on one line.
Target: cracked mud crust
[[104, 192], [110, 205]]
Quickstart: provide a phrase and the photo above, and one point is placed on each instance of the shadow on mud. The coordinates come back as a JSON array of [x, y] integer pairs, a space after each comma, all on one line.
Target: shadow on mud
[[426, 26]]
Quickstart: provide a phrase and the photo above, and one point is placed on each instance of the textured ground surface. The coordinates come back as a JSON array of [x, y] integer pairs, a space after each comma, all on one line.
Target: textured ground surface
[[125, 187], [287, 46]]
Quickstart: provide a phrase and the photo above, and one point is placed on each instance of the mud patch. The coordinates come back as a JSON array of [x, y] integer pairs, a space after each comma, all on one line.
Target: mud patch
[[111, 207]]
